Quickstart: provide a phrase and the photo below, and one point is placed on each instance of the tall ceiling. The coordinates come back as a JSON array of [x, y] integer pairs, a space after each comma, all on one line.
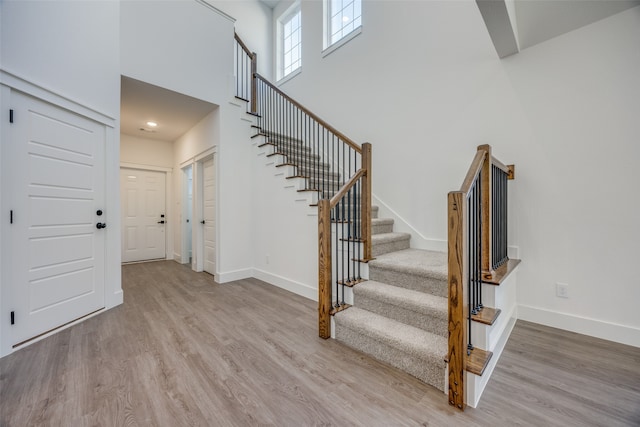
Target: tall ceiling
[[536, 22]]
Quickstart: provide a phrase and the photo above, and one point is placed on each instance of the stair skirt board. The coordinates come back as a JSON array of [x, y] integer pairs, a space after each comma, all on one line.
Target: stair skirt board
[[409, 349], [475, 385]]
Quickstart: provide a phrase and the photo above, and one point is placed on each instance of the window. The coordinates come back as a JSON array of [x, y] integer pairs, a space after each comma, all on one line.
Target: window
[[289, 42], [343, 18]]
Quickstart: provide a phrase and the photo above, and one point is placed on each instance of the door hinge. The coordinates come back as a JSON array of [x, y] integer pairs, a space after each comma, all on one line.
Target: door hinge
[[13, 317], [11, 216], [10, 116]]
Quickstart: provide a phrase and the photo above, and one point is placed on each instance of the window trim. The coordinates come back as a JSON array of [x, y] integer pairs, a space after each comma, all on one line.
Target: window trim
[[329, 47], [293, 10]]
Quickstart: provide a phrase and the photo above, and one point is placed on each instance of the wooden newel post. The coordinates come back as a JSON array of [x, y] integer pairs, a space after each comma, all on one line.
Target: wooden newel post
[[254, 83], [486, 226], [457, 298], [324, 268], [366, 201]]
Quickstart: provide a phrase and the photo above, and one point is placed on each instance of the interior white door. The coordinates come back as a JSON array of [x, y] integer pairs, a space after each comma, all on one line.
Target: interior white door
[[208, 215], [56, 164], [143, 214]]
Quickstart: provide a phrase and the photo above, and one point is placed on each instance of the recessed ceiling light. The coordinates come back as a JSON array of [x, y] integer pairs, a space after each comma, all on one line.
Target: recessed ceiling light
[[152, 124]]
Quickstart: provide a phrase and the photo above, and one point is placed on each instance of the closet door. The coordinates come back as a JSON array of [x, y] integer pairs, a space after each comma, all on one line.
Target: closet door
[[55, 162]]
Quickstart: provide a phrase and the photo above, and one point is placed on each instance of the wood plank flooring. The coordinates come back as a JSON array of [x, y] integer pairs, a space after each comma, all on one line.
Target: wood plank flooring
[[185, 351]]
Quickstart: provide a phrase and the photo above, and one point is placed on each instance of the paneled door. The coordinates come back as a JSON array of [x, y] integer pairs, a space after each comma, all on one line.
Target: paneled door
[[143, 214], [209, 210], [55, 162]]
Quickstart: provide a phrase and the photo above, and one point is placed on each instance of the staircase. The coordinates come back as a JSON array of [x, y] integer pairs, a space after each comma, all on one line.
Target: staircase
[[399, 316], [376, 294], [398, 313]]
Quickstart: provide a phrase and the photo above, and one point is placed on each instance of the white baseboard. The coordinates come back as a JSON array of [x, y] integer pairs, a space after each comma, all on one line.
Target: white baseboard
[[595, 328], [230, 276], [287, 284]]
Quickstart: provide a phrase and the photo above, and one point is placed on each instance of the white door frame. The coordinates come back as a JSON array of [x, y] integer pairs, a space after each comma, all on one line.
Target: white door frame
[[168, 243], [197, 233], [184, 254], [113, 288]]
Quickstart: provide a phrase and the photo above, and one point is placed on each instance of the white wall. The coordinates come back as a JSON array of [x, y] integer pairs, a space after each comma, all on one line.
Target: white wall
[[423, 84], [41, 44], [146, 152], [67, 53], [254, 26], [577, 210], [181, 45]]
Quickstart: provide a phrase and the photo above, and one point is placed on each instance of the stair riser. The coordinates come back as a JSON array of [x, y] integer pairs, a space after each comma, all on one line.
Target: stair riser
[[386, 247], [430, 321], [409, 281], [381, 228], [431, 370]]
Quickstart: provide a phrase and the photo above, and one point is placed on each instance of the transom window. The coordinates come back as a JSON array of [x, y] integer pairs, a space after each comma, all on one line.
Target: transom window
[[290, 42], [343, 18]]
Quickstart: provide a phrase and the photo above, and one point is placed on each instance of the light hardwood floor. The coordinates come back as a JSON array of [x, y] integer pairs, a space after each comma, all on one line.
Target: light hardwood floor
[[185, 351]]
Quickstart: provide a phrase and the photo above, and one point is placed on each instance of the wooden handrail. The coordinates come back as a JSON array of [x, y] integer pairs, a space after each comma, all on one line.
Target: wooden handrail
[[346, 187], [499, 164], [242, 45], [474, 170], [308, 112]]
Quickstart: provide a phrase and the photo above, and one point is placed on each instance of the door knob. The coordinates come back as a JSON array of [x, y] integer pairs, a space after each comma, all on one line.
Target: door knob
[[101, 225], [202, 222], [161, 222]]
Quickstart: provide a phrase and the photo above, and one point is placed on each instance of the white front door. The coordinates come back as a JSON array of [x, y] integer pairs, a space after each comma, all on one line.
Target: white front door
[[208, 215], [143, 215], [55, 161]]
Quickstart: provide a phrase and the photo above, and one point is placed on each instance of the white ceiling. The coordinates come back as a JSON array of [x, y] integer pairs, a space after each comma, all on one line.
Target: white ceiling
[[174, 112], [270, 3], [541, 20]]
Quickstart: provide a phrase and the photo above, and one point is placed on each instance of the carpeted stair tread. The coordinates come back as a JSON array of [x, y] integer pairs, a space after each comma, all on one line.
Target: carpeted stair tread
[[418, 261], [389, 242], [416, 269], [410, 349], [418, 309]]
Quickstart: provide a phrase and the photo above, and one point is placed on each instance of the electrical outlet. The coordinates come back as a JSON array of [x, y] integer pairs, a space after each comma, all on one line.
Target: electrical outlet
[[267, 258], [562, 290]]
